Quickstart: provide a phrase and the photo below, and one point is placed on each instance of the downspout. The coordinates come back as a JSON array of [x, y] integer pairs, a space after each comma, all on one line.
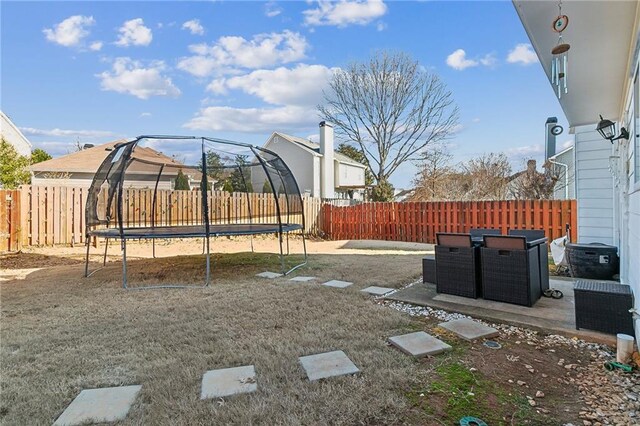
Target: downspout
[[566, 177]]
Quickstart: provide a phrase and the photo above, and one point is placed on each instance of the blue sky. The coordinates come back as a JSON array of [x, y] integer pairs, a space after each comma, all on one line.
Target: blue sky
[[98, 71]]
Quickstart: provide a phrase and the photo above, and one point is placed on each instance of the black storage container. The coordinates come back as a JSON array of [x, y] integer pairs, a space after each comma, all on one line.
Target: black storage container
[[596, 261], [429, 269]]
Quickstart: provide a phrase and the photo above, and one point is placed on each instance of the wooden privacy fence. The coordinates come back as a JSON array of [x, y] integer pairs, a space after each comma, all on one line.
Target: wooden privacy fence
[[47, 215], [419, 222]]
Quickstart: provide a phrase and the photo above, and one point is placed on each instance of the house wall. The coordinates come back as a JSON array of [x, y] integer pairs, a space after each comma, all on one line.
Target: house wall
[[300, 161], [12, 135], [348, 175], [594, 186]]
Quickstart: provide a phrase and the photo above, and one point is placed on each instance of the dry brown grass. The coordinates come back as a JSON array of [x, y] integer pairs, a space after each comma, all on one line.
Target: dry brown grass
[[62, 333]]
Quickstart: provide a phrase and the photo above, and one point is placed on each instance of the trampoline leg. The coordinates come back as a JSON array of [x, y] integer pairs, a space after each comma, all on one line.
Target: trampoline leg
[[106, 247], [208, 273], [123, 245], [153, 247], [252, 243], [284, 272], [203, 245], [86, 262]]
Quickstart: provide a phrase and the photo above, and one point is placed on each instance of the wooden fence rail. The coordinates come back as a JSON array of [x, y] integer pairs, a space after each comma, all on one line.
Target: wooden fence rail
[[419, 222], [48, 215]]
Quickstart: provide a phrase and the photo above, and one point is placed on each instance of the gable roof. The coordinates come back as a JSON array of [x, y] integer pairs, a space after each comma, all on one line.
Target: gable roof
[[6, 121], [89, 160], [314, 149]]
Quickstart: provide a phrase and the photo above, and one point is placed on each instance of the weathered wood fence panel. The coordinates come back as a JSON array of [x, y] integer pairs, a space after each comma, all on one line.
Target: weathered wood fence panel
[[9, 220], [420, 221], [47, 215]]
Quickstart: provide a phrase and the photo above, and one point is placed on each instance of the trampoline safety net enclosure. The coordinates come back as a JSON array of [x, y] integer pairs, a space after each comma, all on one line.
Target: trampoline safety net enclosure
[[134, 196]]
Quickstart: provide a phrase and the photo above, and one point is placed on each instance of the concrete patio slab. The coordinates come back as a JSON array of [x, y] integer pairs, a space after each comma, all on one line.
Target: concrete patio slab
[[302, 279], [469, 329], [377, 291], [547, 315], [419, 344], [328, 364], [337, 284], [99, 406], [228, 381], [268, 274]]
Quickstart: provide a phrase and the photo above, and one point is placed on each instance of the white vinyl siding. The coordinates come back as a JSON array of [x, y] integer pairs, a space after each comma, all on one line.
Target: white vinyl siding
[[347, 175], [594, 186]]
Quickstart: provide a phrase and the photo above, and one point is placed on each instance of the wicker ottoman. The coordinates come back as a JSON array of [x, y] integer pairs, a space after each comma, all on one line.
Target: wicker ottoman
[[429, 269], [603, 306]]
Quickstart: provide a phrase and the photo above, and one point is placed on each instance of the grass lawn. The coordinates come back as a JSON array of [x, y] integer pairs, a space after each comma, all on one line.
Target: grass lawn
[[62, 333]]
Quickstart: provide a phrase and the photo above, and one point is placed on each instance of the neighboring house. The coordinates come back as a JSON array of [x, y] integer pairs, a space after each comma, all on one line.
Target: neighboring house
[[78, 169], [400, 194], [562, 165], [14, 136], [603, 80], [317, 168]]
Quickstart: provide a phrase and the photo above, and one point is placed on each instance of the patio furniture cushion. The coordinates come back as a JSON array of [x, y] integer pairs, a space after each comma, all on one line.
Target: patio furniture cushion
[[505, 242], [453, 240]]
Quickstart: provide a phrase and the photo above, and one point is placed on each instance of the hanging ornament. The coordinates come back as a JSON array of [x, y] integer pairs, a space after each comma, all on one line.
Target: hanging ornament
[[560, 60]]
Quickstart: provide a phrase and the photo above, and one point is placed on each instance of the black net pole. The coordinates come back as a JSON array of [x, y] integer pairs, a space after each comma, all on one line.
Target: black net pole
[[204, 188]]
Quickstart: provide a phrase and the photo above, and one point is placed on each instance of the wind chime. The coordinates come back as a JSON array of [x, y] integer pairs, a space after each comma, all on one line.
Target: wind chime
[[560, 61]]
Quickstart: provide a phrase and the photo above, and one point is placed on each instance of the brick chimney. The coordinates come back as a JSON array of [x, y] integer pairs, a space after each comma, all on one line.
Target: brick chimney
[[327, 182]]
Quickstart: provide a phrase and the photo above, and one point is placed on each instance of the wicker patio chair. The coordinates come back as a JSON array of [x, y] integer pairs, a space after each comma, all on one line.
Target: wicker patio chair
[[457, 265], [510, 270], [543, 252]]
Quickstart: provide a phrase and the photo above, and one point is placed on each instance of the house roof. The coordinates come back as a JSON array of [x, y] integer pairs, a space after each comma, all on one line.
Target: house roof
[[314, 149], [89, 160], [556, 155], [6, 120]]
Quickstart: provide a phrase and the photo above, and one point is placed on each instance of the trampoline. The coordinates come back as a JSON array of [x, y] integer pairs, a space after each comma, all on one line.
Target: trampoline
[[231, 189]]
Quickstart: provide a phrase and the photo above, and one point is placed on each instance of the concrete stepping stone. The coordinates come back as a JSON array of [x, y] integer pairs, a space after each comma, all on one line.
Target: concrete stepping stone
[[268, 274], [328, 364], [469, 329], [99, 406], [228, 381], [419, 344], [302, 279], [377, 291], [337, 284]]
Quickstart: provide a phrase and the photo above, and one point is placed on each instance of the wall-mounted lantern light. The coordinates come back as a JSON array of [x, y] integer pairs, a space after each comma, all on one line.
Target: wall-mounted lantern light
[[607, 130]]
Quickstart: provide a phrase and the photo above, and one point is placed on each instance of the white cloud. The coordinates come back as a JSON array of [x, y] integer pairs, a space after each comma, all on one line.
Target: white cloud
[[134, 33], [224, 118], [145, 114], [301, 86], [475, 120], [294, 93], [272, 9], [381, 26], [230, 52], [131, 77], [30, 131], [194, 27], [488, 60], [95, 46], [525, 151], [345, 12], [458, 60], [522, 54], [71, 31]]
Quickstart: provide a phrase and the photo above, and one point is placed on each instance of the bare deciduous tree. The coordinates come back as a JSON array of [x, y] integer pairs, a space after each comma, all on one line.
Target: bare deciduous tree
[[391, 108], [432, 182], [488, 177], [533, 185]]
